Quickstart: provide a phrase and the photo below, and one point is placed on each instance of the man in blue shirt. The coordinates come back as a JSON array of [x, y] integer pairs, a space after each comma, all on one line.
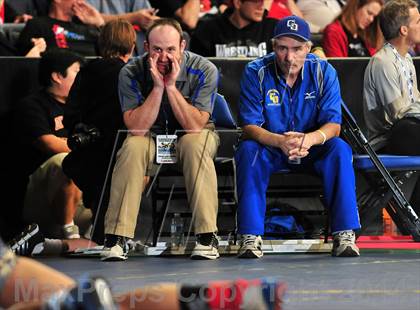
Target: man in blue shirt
[[290, 113]]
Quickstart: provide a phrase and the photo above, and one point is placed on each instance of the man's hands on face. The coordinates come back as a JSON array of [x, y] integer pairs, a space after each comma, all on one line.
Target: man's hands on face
[[157, 77], [168, 79], [173, 72]]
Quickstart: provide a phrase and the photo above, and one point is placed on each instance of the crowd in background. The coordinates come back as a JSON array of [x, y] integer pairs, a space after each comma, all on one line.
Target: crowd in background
[[224, 28]]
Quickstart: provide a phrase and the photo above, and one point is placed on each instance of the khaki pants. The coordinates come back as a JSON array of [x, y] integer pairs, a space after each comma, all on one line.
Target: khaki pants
[[135, 159], [42, 188]]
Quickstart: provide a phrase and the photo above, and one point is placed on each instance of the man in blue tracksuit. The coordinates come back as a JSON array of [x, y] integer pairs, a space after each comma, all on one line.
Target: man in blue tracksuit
[[290, 113]]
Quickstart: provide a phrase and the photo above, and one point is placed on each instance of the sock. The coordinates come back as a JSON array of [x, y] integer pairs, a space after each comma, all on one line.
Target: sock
[[69, 224], [54, 246]]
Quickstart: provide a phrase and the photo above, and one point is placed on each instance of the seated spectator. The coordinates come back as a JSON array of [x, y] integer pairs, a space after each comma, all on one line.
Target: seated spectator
[[93, 101], [281, 8], [60, 31], [187, 12], [298, 131], [391, 97], [27, 284], [138, 12], [241, 31], [355, 32], [52, 200], [155, 105], [320, 13]]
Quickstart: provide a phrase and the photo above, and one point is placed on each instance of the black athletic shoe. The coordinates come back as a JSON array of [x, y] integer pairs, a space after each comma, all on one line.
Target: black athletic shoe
[[206, 247], [115, 248], [28, 243]]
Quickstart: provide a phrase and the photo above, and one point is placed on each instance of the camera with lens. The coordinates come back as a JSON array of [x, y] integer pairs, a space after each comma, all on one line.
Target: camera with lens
[[83, 137]]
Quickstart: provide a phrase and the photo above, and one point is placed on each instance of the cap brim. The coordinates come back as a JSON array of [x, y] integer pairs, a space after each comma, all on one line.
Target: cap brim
[[292, 34]]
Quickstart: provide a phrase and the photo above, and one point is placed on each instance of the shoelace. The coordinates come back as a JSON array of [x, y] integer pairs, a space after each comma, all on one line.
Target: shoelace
[[249, 240], [214, 242], [122, 242], [345, 237]]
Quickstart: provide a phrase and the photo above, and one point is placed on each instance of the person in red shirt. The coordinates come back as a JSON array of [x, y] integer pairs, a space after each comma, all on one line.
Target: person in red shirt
[[282, 8], [355, 32], [1, 11]]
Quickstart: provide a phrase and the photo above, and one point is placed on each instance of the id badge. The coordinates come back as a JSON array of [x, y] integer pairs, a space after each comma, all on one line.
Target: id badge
[[166, 149]]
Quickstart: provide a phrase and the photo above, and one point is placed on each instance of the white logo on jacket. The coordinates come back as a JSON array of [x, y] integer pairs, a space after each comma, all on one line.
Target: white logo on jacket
[[310, 95]]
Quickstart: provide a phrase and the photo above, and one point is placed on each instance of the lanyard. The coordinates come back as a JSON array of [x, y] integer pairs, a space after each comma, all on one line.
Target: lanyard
[[408, 73], [165, 115]]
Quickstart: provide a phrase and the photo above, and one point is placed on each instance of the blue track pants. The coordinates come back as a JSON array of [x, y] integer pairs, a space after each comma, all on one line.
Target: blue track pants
[[255, 163]]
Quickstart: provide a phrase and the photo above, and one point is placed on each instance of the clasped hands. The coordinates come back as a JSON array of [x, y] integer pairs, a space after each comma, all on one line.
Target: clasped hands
[[296, 144]]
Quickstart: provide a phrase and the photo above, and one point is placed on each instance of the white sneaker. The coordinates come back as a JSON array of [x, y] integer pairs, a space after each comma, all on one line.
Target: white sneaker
[[116, 252], [345, 244], [206, 249], [251, 247]]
